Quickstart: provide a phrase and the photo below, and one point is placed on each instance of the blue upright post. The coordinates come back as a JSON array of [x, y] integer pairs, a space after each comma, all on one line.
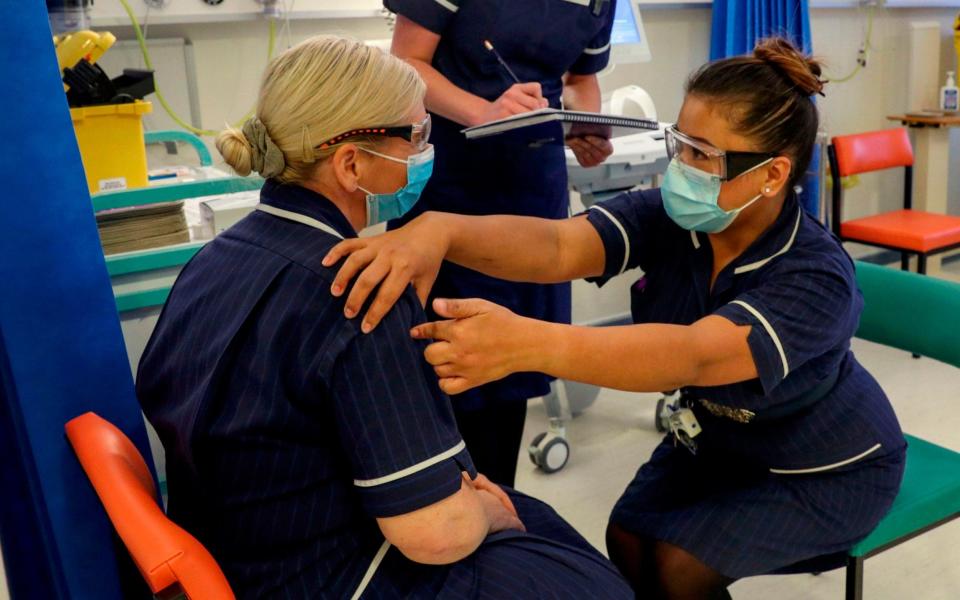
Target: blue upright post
[[61, 350]]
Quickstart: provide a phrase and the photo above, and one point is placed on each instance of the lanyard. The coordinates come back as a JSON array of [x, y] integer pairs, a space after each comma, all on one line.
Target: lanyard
[[297, 217]]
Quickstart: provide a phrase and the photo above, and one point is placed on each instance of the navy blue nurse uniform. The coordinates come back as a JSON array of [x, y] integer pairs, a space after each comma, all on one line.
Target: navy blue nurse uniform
[[287, 431], [796, 465], [540, 40]]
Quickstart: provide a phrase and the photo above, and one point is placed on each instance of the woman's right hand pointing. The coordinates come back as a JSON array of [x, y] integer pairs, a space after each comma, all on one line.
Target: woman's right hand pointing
[[479, 343]]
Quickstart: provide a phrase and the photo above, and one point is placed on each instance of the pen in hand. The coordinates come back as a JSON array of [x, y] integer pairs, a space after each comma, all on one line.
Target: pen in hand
[[489, 46]]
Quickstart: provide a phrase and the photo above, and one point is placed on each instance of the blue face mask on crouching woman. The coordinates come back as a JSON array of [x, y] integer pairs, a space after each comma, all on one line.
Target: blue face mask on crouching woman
[[384, 207], [690, 198]]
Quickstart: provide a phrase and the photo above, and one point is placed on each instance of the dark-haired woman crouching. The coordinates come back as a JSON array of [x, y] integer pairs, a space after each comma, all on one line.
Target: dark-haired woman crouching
[[784, 451]]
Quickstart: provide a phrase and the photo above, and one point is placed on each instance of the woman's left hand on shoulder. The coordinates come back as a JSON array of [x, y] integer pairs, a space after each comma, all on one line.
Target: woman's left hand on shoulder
[[482, 342], [386, 264]]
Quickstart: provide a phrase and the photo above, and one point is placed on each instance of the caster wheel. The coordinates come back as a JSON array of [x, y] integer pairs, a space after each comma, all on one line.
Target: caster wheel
[[549, 453], [533, 451], [658, 418]]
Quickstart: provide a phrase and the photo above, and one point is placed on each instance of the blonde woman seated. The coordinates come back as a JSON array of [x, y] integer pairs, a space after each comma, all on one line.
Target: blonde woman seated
[[314, 459]]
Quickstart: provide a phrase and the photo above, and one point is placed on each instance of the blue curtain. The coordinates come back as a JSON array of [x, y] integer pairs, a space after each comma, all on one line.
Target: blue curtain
[[739, 24]]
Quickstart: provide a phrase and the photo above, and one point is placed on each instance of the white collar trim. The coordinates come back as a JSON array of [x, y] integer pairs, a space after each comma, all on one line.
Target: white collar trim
[[297, 217], [756, 265]]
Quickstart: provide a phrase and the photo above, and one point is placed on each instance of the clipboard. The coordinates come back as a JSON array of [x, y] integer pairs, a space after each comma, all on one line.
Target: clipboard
[[554, 126]]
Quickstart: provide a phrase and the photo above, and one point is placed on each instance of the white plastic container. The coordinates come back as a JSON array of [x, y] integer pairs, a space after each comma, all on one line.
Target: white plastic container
[[949, 97]]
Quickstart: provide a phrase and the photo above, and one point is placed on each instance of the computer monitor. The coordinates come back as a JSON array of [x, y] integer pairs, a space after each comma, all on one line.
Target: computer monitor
[[628, 39]]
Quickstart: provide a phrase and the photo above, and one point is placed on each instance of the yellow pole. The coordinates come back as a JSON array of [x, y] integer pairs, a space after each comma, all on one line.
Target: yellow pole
[[956, 38]]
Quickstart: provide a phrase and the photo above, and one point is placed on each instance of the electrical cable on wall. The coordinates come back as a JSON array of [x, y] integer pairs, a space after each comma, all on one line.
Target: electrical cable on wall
[[865, 48], [146, 29], [163, 102]]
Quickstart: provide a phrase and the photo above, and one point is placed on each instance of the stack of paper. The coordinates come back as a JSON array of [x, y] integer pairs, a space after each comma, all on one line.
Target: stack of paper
[[142, 227]]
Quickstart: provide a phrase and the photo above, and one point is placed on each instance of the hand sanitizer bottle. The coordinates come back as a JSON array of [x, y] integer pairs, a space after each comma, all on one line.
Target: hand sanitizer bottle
[[949, 99]]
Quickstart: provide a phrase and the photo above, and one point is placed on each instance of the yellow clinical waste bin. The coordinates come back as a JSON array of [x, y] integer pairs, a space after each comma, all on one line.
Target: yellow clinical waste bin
[[111, 145]]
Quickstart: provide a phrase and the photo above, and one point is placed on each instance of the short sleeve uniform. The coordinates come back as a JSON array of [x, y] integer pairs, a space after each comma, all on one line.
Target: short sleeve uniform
[[540, 40], [288, 431], [813, 413]]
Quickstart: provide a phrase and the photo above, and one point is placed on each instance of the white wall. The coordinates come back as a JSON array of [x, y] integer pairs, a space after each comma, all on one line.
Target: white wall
[[230, 57], [879, 91]]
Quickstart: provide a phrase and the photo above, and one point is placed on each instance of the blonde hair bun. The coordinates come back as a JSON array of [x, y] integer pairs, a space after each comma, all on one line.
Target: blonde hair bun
[[236, 150]]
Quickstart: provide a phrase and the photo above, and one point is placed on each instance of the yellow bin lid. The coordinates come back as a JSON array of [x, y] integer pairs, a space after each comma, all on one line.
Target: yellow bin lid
[[135, 108]]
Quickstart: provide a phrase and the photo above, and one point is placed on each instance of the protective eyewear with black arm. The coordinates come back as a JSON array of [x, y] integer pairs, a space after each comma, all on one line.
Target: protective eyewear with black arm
[[725, 164]]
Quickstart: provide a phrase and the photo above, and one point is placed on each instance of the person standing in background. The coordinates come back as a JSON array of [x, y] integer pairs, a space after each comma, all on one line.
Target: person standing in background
[[555, 49]]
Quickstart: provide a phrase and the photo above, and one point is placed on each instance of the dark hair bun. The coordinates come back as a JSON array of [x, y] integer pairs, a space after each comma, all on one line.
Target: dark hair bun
[[801, 70]]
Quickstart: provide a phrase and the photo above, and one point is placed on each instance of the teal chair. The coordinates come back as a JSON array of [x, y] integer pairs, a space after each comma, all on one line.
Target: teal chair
[[920, 315]]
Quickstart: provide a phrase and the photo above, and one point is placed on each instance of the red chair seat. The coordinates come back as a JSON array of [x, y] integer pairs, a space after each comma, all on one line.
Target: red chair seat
[[912, 230]]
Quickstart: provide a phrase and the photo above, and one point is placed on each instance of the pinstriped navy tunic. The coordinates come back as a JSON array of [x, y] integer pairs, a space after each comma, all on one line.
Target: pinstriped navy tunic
[[802, 461], [287, 431], [540, 40]]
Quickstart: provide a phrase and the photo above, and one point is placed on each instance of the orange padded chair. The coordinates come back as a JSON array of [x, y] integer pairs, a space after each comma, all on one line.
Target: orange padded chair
[[173, 563], [906, 231]]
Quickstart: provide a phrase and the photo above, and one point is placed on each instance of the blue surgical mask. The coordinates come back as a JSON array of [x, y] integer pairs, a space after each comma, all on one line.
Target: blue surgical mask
[[383, 207], [690, 198]]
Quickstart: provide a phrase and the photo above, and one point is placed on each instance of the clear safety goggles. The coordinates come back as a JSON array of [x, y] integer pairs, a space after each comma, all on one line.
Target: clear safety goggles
[[417, 134], [724, 164]]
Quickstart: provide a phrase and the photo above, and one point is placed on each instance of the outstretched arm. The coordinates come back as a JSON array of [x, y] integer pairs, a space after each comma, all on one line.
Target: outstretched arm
[[484, 342], [509, 247]]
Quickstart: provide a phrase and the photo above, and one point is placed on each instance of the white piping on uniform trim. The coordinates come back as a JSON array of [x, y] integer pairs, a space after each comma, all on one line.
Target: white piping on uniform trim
[[623, 233], [412, 469], [756, 265], [826, 467], [580, 2], [696, 240], [297, 217], [770, 332], [374, 564], [448, 5], [595, 51]]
